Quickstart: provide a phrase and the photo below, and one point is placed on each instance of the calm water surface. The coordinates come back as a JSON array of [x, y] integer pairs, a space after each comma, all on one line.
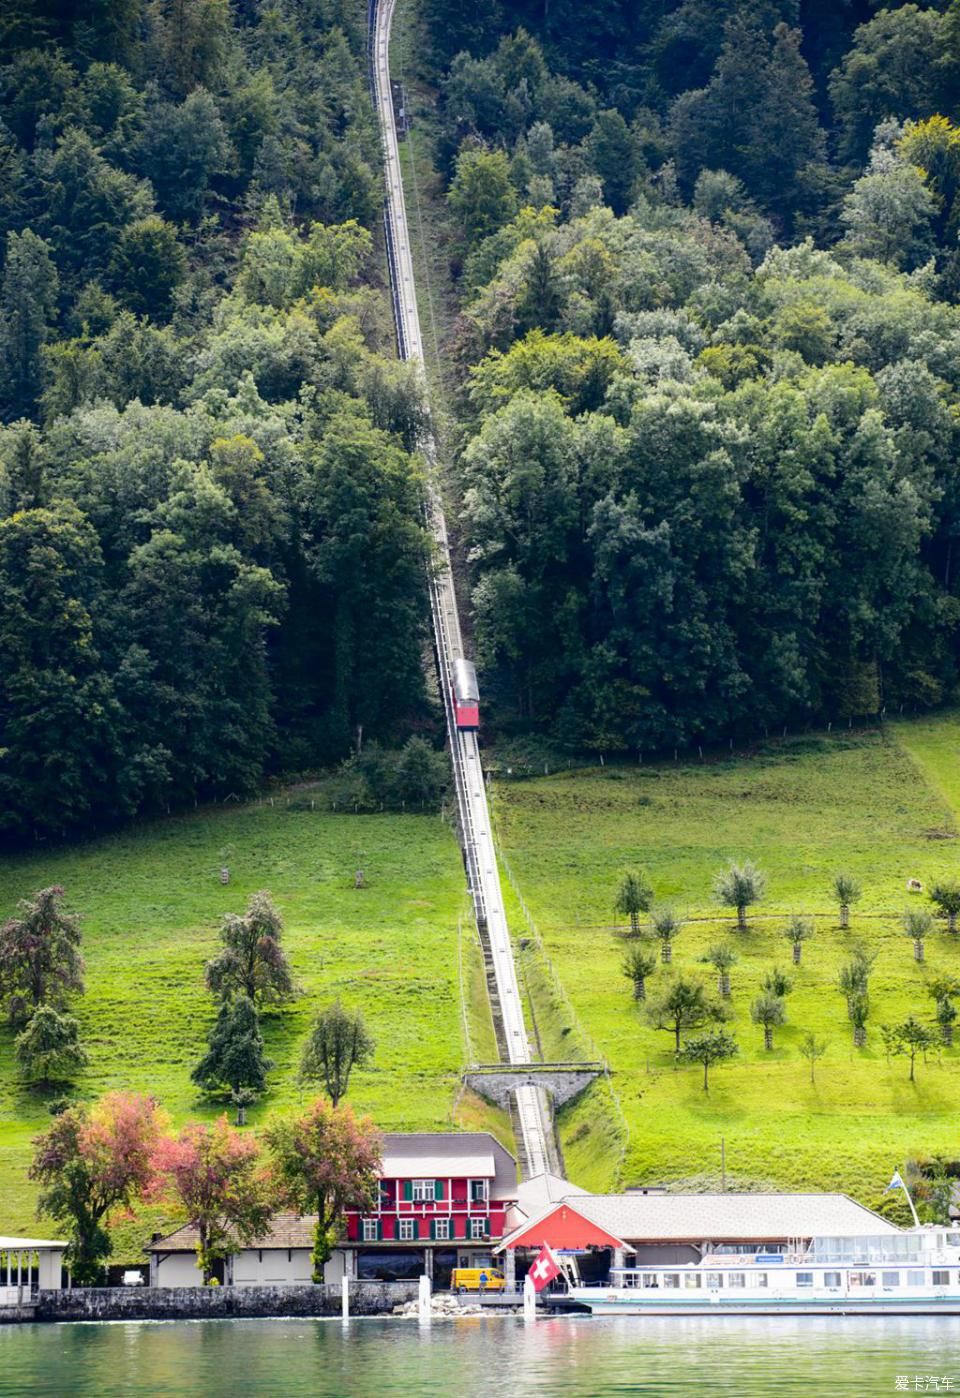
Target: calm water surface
[[486, 1356]]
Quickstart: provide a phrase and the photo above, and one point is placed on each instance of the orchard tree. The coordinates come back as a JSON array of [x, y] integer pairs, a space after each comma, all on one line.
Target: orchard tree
[[721, 957], [235, 1062], [909, 1038], [739, 886], [214, 1174], [917, 925], [326, 1161], [634, 896], [797, 931], [716, 1046], [944, 990], [812, 1048], [339, 1042], [40, 961], [90, 1162], [858, 1008], [666, 926], [945, 896], [49, 1049], [777, 982], [684, 1005], [846, 891], [854, 975], [638, 965], [768, 1010], [252, 962]]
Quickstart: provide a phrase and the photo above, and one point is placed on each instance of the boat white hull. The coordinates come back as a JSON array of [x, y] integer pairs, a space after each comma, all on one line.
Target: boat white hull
[[607, 1304]]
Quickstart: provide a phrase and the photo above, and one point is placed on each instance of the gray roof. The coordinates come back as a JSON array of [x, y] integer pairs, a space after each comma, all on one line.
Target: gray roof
[[283, 1231], [717, 1218], [536, 1193], [449, 1154]]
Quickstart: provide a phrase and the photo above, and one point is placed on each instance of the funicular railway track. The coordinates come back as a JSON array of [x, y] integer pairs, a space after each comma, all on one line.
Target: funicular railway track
[[474, 816]]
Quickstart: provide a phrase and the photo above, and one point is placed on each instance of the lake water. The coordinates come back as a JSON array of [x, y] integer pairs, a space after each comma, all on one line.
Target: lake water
[[679, 1356]]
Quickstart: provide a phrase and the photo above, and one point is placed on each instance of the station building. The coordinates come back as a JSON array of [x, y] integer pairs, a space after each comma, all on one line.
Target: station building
[[652, 1226]]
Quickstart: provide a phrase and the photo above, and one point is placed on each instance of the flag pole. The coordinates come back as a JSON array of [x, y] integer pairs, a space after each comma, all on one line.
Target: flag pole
[[910, 1202]]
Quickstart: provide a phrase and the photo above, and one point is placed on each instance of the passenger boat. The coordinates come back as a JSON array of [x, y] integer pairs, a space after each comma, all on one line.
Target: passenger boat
[[912, 1273]]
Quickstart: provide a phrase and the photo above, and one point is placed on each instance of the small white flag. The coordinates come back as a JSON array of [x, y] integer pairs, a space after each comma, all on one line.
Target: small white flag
[[895, 1183]]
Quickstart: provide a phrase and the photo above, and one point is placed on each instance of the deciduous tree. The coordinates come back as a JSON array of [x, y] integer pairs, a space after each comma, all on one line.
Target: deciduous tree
[[683, 1005], [252, 962], [91, 1161], [717, 1046], [40, 961], [739, 886], [768, 1010], [638, 965], [327, 1161], [797, 931], [215, 1174], [339, 1042]]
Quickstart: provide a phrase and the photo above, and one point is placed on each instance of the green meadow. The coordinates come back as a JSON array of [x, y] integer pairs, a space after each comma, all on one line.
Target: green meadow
[[151, 900], [881, 805]]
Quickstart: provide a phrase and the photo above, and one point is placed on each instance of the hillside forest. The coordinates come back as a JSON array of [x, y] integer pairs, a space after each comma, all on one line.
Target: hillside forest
[[212, 560], [707, 273], [706, 366]]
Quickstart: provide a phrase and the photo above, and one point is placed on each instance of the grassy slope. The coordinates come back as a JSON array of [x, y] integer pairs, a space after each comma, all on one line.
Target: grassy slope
[[879, 805], [151, 900]]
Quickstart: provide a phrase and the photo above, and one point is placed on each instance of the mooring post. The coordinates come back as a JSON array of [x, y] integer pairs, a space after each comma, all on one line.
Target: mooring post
[[529, 1301], [423, 1308], [345, 1298]]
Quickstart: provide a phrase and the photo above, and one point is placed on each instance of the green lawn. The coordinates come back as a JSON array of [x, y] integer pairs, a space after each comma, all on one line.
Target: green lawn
[[881, 805], [151, 900]]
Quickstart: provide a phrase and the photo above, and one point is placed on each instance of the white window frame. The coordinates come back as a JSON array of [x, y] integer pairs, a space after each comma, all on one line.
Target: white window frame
[[369, 1236], [406, 1231], [484, 1197], [441, 1230], [424, 1191], [478, 1226]]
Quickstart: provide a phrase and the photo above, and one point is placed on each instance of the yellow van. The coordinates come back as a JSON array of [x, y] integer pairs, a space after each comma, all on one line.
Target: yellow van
[[476, 1279]]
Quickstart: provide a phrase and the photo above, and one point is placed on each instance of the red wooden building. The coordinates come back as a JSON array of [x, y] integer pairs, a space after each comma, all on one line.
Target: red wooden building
[[443, 1203]]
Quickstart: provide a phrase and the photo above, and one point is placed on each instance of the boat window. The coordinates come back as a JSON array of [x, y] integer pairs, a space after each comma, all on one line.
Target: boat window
[[691, 1281], [714, 1279], [804, 1279], [650, 1279], [736, 1279], [832, 1279], [670, 1279], [630, 1279], [890, 1278], [916, 1279], [941, 1278], [759, 1279], [953, 1240], [863, 1278]]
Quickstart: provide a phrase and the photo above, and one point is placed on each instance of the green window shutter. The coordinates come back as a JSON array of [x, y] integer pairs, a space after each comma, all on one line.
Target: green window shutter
[[408, 1189], [433, 1229], [380, 1230], [486, 1226], [416, 1229], [438, 1189]]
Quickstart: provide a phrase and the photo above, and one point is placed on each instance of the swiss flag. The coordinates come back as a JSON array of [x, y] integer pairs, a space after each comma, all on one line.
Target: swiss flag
[[544, 1269]]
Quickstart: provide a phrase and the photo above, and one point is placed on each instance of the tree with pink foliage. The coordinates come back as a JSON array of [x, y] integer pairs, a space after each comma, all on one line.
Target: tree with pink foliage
[[327, 1161], [92, 1162], [216, 1174]]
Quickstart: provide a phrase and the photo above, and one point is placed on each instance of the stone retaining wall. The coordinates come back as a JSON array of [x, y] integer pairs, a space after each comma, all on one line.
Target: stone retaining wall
[[216, 1302]]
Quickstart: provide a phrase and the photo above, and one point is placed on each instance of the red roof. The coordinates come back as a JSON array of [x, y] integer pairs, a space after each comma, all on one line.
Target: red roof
[[563, 1227]]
